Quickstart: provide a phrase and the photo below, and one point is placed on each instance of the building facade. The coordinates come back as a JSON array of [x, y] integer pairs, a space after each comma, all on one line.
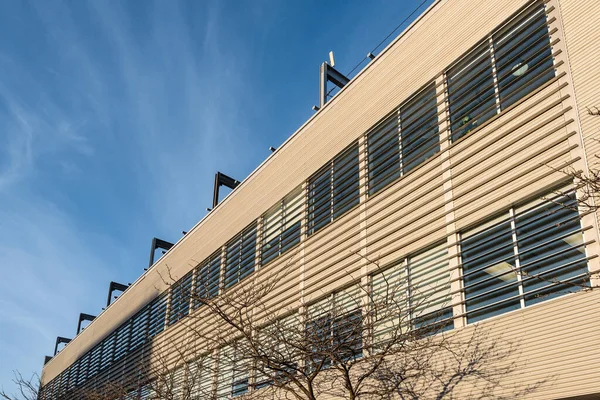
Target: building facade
[[444, 157]]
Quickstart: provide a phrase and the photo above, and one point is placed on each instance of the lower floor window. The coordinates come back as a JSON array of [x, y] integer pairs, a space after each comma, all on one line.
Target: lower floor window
[[533, 253]]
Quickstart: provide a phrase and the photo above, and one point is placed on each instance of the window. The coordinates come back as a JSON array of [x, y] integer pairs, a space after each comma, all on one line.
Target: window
[[383, 146], [108, 346], [158, 311], [419, 129], [233, 374], [333, 190], [413, 294], [502, 70], [240, 256], [403, 140], [471, 92], [281, 226], [534, 254], [523, 56], [207, 278], [180, 298], [201, 377], [551, 249], [334, 328], [122, 341], [279, 341], [139, 329]]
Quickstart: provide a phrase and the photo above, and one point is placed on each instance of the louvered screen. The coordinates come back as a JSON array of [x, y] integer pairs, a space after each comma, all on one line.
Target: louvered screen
[[240, 256], [181, 292]]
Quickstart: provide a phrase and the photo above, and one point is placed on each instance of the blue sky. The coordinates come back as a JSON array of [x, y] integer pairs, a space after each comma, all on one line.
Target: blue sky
[[114, 118]]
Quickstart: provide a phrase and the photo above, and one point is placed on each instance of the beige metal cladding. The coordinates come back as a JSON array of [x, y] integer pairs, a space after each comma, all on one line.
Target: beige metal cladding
[[580, 21], [517, 155]]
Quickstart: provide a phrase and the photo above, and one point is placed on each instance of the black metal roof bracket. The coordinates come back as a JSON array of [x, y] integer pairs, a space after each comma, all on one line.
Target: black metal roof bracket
[[158, 244], [60, 340], [329, 74], [46, 359], [84, 317], [223, 180], [114, 286]]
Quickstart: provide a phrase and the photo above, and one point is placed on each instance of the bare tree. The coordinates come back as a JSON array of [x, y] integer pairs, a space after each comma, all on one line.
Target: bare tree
[[27, 389], [353, 344]]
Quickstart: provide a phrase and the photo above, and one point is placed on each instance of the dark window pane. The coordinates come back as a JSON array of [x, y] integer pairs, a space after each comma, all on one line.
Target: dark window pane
[[419, 129], [180, 298], [490, 281], [319, 201], [333, 190], [523, 56], [346, 181], [383, 146], [240, 256], [551, 250], [207, 278], [158, 310], [471, 94]]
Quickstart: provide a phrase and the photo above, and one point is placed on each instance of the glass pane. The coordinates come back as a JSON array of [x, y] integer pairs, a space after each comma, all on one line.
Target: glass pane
[[390, 300], [430, 288], [383, 146], [419, 129], [319, 201], [346, 181], [490, 281], [471, 94], [523, 56], [551, 250]]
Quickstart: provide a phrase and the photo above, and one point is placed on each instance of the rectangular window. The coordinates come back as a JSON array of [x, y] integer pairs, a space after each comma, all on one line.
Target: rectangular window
[[207, 278], [240, 256], [181, 292], [506, 67], [157, 315], [139, 328], [201, 377], [383, 146], [489, 271], [523, 56], [551, 249], [471, 91], [122, 342], [334, 190], [534, 254], [232, 380], [282, 226], [108, 347], [335, 327], [419, 129], [403, 140], [430, 295], [413, 294]]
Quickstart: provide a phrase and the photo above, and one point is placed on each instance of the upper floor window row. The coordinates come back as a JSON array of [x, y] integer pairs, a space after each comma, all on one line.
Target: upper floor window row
[[504, 68]]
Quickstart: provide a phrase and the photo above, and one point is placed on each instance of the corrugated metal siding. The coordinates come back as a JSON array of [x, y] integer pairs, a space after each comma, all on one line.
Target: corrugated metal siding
[[581, 19]]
